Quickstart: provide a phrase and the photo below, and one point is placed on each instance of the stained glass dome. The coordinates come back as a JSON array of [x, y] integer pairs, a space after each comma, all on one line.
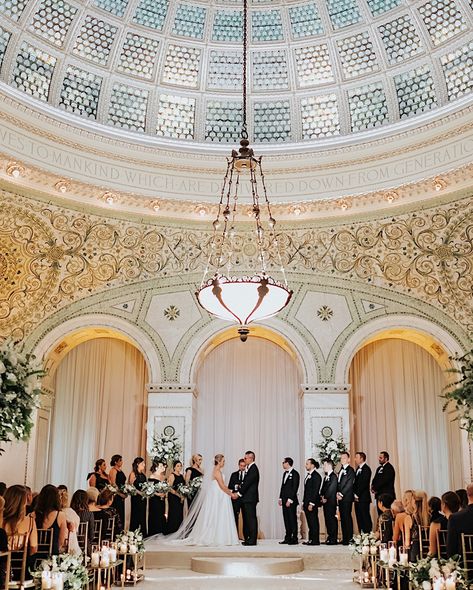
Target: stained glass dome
[[317, 68]]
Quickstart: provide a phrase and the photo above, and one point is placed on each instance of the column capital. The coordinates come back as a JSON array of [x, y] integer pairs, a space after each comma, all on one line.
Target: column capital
[[325, 388], [171, 387]]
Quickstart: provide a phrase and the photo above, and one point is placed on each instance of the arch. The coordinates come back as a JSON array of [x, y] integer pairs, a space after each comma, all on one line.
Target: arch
[[275, 330], [86, 327], [435, 339]]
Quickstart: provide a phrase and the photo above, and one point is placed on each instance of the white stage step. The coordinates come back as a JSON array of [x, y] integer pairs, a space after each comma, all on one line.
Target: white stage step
[[247, 567]]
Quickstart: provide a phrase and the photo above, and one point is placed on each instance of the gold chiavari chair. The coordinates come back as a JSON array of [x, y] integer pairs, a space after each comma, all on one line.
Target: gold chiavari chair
[[82, 536], [97, 533], [442, 543], [45, 546], [18, 546], [424, 532], [467, 554], [5, 564], [108, 534]]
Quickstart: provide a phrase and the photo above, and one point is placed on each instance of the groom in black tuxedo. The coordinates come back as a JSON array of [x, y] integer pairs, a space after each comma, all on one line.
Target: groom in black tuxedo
[[234, 483], [248, 493], [289, 501]]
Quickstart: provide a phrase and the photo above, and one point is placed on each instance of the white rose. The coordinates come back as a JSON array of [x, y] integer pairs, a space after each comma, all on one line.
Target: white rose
[[2, 367], [13, 358], [12, 377], [426, 585]]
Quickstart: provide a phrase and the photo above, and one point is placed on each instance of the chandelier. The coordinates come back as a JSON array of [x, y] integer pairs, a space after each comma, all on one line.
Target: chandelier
[[258, 296]]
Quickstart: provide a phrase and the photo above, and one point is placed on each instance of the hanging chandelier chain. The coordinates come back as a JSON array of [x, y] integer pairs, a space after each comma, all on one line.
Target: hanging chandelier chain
[[244, 131]]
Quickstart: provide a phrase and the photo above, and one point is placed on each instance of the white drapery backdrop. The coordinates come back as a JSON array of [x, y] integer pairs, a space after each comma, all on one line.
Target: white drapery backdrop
[[248, 399], [396, 406], [99, 410]]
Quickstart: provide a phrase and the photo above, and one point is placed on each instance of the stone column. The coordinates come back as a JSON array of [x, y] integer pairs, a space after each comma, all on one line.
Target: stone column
[[325, 406], [171, 405]]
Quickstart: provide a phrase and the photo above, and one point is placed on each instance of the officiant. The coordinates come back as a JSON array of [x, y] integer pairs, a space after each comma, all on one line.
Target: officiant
[[234, 484]]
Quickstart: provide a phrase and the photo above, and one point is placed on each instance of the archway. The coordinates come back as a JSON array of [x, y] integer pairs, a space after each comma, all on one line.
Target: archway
[[249, 399]]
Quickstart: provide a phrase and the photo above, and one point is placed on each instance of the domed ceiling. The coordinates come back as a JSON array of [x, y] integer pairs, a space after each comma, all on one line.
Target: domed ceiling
[[317, 69]]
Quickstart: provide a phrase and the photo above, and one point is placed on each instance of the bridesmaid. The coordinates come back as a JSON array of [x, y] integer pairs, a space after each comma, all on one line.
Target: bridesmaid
[[175, 499], [118, 479], [195, 470], [137, 478], [99, 477], [157, 503]]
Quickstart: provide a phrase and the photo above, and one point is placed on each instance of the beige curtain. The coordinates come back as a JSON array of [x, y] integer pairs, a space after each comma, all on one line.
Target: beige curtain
[[248, 400], [396, 406], [99, 409]]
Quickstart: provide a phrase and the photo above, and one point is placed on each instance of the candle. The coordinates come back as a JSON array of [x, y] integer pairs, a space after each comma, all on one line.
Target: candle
[[122, 547], [95, 559], [439, 584], [57, 581], [403, 558], [450, 584], [46, 580], [373, 549], [113, 554], [133, 549], [391, 562], [384, 555], [105, 559], [365, 550], [392, 553]]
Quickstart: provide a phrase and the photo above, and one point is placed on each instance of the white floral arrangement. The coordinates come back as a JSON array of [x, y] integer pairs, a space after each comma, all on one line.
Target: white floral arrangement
[[19, 392], [111, 488], [431, 573], [130, 542], [166, 449], [331, 448], [364, 544], [162, 487], [460, 393], [196, 484], [69, 568], [128, 489], [185, 489], [147, 489]]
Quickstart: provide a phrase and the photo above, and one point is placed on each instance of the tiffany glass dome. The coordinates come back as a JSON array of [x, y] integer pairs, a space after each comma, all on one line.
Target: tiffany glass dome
[[317, 68]]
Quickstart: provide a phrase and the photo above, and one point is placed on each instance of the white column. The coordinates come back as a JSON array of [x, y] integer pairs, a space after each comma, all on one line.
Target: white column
[[171, 405], [325, 405]]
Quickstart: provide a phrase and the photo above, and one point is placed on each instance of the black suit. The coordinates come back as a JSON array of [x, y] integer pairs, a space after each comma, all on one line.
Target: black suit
[[458, 523], [312, 484], [383, 481], [234, 484], [346, 480], [361, 490], [289, 488], [249, 498], [329, 493]]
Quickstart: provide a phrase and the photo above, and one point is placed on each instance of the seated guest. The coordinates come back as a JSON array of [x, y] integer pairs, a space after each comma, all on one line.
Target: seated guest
[[384, 528], [29, 500], [400, 516], [92, 495], [107, 511], [99, 477], [422, 507], [3, 488], [406, 526], [463, 498], [48, 515], [449, 504], [458, 523], [80, 504], [434, 509], [3, 546], [72, 520]]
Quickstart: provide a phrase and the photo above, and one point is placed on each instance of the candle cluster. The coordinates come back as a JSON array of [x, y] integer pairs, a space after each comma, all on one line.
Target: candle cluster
[[104, 556], [388, 554], [52, 580]]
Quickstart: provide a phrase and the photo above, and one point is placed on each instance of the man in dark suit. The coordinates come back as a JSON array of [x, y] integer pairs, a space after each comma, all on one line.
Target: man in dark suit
[[234, 484], [248, 493], [346, 480], [328, 495], [289, 501], [458, 523], [362, 495], [383, 480], [311, 501]]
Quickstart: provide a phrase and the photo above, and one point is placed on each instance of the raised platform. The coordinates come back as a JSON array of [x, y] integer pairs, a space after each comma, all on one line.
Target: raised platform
[[160, 555], [246, 567]]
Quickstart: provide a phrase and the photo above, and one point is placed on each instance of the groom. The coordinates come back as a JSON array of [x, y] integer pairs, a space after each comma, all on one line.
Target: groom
[[248, 492]]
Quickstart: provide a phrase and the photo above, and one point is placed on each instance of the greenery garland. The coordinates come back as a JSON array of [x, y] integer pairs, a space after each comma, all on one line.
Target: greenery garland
[[461, 392]]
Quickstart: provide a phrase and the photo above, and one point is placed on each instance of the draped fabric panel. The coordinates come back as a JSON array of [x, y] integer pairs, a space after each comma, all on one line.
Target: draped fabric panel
[[99, 409], [396, 406], [248, 399]]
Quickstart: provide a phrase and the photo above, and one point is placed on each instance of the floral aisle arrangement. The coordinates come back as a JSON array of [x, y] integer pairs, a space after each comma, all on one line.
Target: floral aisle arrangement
[[20, 391], [166, 449], [331, 448], [130, 542], [62, 571], [437, 574], [364, 544], [461, 392]]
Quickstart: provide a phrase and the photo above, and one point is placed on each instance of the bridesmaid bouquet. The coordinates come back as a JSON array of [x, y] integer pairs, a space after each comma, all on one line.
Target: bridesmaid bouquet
[[128, 490], [62, 571], [112, 488], [148, 489], [185, 490], [195, 484], [162, 487]]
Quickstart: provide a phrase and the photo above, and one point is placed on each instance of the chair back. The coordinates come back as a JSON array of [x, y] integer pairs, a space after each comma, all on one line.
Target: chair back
[[109, 533], [467, 553], [82, 536], [97, 532], [5, 563], [18, 546], [424, 532], [45, 546], [442, 543]]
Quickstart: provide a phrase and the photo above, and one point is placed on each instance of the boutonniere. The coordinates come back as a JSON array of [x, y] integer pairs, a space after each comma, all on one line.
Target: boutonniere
[[380, 470]]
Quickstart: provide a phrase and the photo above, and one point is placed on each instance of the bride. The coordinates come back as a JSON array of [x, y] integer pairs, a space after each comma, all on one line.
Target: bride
[[210, 520]]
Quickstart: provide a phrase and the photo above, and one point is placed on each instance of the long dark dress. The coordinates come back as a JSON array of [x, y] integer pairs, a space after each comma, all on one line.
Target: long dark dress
[[118, 501], [194, 473], [138, 507], [175, 507], [156, 513], [100, 482]]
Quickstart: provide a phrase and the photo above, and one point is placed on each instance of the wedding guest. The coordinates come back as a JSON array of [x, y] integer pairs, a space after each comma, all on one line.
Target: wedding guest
[[15, 519], [29, 500], [289, 501], [361, 493], [328, 498], [234, 484], [175, 499], [118, 479], [434, 506], [449, 504], [461, 522], [422, 506], [311, 501], [72, 521], [99, 477], [384, 527], [400, 517], [92, 495], [3, 546], [345, 497], [157, 503], [463, 498], [3, 488], [410, 526], [48, 515], [106, 512], [80, 504], [137, 478], [193, 471], [384, 477]]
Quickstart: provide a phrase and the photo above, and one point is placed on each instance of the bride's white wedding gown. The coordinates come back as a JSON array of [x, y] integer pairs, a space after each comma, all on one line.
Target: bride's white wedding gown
[[214, 523]]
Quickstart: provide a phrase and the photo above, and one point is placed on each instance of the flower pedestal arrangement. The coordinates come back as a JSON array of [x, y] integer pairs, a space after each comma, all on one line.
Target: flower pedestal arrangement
[[166, 449], [331, 448], [365, 547], [131, 549], [62, 572]]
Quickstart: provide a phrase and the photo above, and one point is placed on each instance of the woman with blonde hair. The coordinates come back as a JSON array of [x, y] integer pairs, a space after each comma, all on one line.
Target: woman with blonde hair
[[193, 471], [410, 533], [72, 521], [422, 507]]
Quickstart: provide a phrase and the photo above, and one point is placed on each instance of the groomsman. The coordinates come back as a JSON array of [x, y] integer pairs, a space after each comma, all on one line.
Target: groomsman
[[234, 484], [289, 502], [383, 480], [249, 495], [346, 480], [362, 496], [311, 501], [328, 495]]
